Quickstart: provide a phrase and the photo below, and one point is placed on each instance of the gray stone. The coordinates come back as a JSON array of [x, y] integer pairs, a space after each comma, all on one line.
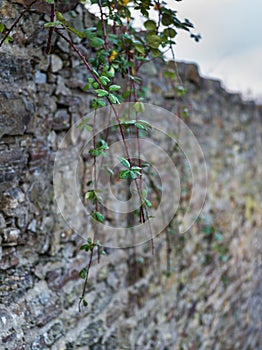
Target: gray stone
[[40, 78], [15, 115], [2, 221], [56, 63]]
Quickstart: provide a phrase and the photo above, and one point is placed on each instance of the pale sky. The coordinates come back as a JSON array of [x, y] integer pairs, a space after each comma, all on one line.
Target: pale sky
[[231, 44]]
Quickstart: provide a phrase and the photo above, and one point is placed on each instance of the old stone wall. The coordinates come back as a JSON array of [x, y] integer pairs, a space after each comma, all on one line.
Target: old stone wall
[[210, 298]]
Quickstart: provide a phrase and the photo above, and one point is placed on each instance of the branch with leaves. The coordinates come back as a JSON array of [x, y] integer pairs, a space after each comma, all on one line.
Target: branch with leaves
[[117, 47]]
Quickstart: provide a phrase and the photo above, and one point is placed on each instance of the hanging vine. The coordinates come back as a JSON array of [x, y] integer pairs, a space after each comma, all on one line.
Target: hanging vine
[[119, 47]]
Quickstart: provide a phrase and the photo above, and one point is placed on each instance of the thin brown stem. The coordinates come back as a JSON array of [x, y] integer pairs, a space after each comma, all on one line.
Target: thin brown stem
[[86, 279], [51, 29], [103, 25]]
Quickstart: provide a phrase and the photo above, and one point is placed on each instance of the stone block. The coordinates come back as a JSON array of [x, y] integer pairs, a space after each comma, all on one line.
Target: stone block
[[12, 165], [15, 114]]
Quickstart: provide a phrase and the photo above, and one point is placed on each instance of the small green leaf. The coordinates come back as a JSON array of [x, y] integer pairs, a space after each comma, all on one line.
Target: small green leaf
[[101, 93], [2, 27], [140, 126], [110, 171], [85, 303], [90, 32], [113, 99], [60, 16], [101, 102], [95, 85], [154, 41], [8, 39], [150, 25], [81, 35], [109, 73], [96, 42], [180, 90], [148, 203], [124, 174], [156, 52], [52, 24], [170, 32], [114, 88], [125, 162], [140, 48], [134, 174], [139, 107], [167, 19], [104, 80], [82, 274], [97, 216], [136, 168], [87, 87]]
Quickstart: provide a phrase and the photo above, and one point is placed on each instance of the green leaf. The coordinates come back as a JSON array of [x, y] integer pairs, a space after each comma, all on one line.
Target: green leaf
[[124, 174], [81, 35], [156, 52], [87, 87], [139, 107], [101, 93], [84, 125], [143, 125], [140, 126], [114, 88], [134, 174], [125, 162], [52, 24], [167, 19], [97, 216], [95, 85], [96, 42], [93, 196], [110, 73], [104, 80], [60, 16], [150, 25], [8, 39], [113, 99], [50, 1], [85, 303], [170, 33], [180, 90], [110, 171], [128, 123], [2, 27], [140, 48], [136, 168], [101, 102], [90, 32], [154, 41], [82, 274], [148, 203]]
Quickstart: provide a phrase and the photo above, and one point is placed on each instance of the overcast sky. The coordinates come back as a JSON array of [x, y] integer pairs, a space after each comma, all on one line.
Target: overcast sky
[[231, 45]]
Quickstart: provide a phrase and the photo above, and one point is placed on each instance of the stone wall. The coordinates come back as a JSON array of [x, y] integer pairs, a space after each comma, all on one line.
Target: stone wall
[[211, 299]]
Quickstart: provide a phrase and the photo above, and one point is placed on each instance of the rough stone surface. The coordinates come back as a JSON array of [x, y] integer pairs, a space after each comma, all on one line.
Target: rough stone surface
[[210, 298]]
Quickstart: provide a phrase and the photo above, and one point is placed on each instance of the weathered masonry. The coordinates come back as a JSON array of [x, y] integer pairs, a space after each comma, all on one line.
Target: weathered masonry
[[213, 297]]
